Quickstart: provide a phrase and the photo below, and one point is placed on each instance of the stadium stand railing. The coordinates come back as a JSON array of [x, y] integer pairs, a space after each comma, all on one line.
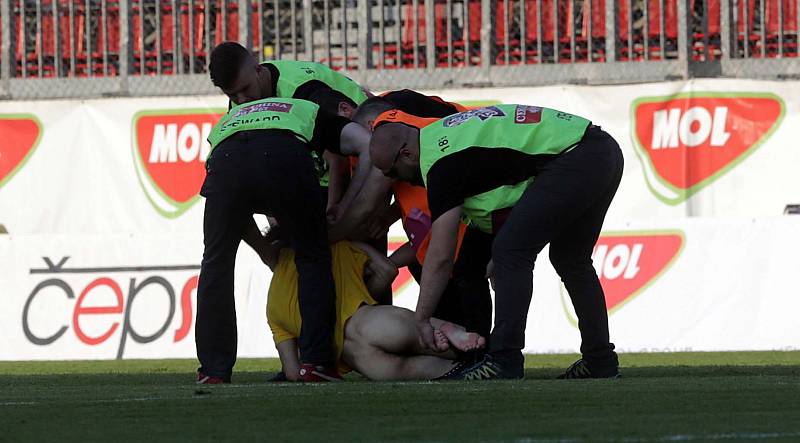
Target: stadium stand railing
[[90, 48]]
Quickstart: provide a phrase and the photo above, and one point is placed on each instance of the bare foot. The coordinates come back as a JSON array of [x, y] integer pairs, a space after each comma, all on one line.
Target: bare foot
[[460, 338], [441, 341]]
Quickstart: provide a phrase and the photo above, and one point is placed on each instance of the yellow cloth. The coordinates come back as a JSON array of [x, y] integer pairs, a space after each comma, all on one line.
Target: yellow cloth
[[283, 311]]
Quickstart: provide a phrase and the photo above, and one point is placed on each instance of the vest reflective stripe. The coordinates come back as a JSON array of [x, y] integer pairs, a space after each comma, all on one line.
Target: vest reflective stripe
[[297, 116], [296, 73]]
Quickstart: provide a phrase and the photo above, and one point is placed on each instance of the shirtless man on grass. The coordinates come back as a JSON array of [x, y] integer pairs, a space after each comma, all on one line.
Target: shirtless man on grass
[[378, 341]]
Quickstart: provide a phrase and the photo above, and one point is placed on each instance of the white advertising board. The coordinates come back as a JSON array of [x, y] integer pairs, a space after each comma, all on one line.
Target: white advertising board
[[100, 201]]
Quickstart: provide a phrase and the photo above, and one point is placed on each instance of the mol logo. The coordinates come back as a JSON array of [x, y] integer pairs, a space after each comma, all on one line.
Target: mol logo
[[628, 262], [20, 136], [170, 150], [687, 141]]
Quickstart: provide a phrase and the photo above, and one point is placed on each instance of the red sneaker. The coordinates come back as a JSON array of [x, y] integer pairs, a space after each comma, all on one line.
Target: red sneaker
[[203, 379], [310, 373]]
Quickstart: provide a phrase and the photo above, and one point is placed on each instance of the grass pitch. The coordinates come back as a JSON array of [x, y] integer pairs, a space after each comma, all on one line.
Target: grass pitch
[[680, 397]]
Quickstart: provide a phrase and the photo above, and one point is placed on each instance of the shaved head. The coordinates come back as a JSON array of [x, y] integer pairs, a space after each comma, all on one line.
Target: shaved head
[[370, 109], [394, 149]]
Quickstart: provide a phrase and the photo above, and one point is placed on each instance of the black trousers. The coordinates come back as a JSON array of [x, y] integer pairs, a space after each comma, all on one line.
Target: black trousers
[[268, 172], [565, 206], [466, 299]]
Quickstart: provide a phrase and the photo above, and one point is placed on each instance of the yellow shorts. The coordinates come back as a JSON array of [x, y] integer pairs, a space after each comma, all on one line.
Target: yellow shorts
[[283, 311]]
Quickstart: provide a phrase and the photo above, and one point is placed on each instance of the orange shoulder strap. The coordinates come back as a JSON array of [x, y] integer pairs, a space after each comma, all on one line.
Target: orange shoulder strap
[[397, 116]]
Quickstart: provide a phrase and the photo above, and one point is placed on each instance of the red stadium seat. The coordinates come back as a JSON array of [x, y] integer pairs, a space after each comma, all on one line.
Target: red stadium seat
[[710, 35], [773, 27], [548, 37], [231, 15], [752, 40], [654, 32], [531, 31], [413, 23], [453, 46]]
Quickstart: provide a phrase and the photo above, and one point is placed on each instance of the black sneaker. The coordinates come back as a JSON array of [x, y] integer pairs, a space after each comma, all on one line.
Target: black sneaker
[[582, 369], [452, 374], [490, 368]]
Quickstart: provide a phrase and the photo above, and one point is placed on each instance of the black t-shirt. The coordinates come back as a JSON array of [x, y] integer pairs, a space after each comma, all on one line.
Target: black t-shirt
[[420, 105], [474, 171], [327, 132]]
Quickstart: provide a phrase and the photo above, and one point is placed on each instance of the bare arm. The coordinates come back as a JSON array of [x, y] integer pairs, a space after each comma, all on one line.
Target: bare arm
[[287, 351], [355, 141], [339, 173], [373, 192], [252, 236], [436, 270], [383, 271], [404, 255]]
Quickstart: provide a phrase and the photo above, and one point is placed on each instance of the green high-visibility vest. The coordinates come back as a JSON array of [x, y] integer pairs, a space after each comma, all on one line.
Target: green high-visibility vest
[[290, 114], [322, 168], [477, 210], [531, 130], [294, 74]]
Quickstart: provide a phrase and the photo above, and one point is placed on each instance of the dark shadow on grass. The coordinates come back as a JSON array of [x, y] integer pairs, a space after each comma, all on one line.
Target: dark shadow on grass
[[262, 377], [139, 379]]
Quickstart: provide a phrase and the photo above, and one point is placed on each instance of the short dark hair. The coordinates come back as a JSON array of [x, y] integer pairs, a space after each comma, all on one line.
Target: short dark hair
[[372, 107], [329, 99], [226, 61]]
